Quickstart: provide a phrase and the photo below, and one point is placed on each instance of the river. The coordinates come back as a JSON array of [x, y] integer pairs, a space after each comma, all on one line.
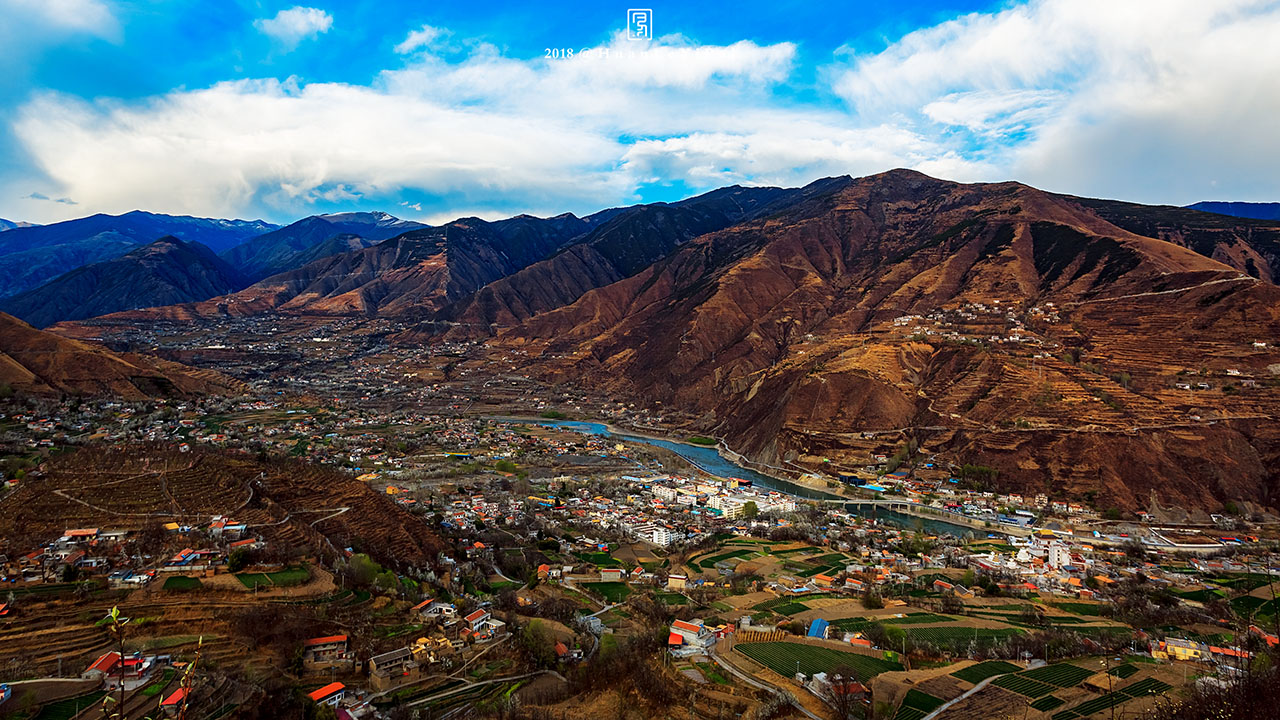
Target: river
[[709, 460]]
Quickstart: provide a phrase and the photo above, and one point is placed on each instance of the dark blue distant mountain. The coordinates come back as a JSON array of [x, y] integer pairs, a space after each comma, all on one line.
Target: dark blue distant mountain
[[31, 256], [1256, 211], [165, 272]]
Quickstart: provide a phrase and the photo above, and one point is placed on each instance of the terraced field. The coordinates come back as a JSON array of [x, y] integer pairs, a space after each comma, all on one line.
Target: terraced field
[[1023, 686], [1142, 688], [858, 624], [287, 502], [915, 705], [1043, 680], [785, 657], [960, 637], [983, 670], [1062, 674]]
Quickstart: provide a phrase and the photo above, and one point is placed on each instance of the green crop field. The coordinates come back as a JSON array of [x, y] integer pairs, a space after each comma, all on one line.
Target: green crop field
[[921, 701], [1203, 595], [781, 657], [253, 580], [1150, 686], [1022, 686], [1079, 608], [710, 562], [828, 559], [599, 559], [1124, 671], [983, 670], [67, 709], [1046, 703], [280, 578], [858, 624], [614, 592], [915, 705], [181, 582], [957, 637], [673, 598], [1063, 674], [916, 619], [790, 608]]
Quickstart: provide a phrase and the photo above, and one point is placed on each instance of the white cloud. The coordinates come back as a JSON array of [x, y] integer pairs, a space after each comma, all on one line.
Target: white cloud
[[1152, 100], [30, 27], [488, 133], [289, 27], [418, 39], [1169, 101], [92, 17]]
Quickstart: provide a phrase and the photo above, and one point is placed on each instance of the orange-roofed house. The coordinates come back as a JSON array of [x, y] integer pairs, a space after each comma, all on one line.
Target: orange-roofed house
[[1270, 639], [693, 633], [323, 650], [330, 694], [823, 580]]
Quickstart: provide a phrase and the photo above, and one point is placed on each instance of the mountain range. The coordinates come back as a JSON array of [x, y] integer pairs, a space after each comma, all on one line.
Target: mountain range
[[879, 307], [1257, 211], [1037, 335], [165, 272], [31, 256], [312, 238]]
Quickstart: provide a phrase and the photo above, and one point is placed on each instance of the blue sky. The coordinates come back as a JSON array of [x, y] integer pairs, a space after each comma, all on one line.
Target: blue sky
[[432, 111]]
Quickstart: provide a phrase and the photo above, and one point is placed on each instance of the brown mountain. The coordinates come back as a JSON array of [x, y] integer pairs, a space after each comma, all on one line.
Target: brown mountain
[[39, 362], [1247, 244], [995, 324], [624, 244], [166, 272]]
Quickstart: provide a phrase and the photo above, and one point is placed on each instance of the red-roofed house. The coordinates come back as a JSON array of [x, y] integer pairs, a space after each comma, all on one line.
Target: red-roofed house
[[477, 619], [325, 650], [110, 666], [330, 694], [172, 704]]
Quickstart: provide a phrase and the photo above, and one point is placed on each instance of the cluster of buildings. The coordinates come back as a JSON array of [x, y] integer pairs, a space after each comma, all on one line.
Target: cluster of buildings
[[113, 554]]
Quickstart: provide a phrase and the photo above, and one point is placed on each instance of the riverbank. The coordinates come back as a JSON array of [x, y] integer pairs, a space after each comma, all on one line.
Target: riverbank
[[714, 462]]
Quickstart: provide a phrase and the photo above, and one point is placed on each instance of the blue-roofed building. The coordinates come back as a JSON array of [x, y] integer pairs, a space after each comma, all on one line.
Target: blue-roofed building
[[818, 629]]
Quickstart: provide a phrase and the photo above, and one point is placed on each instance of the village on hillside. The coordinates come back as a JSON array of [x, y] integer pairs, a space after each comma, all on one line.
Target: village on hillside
[[562, 551]]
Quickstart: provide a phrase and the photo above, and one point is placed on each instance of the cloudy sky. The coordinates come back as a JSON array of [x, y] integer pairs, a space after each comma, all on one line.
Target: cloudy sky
[[431, 111]]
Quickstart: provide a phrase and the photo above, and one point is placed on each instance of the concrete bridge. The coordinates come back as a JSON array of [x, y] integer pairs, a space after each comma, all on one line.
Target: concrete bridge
[[926, 512]]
